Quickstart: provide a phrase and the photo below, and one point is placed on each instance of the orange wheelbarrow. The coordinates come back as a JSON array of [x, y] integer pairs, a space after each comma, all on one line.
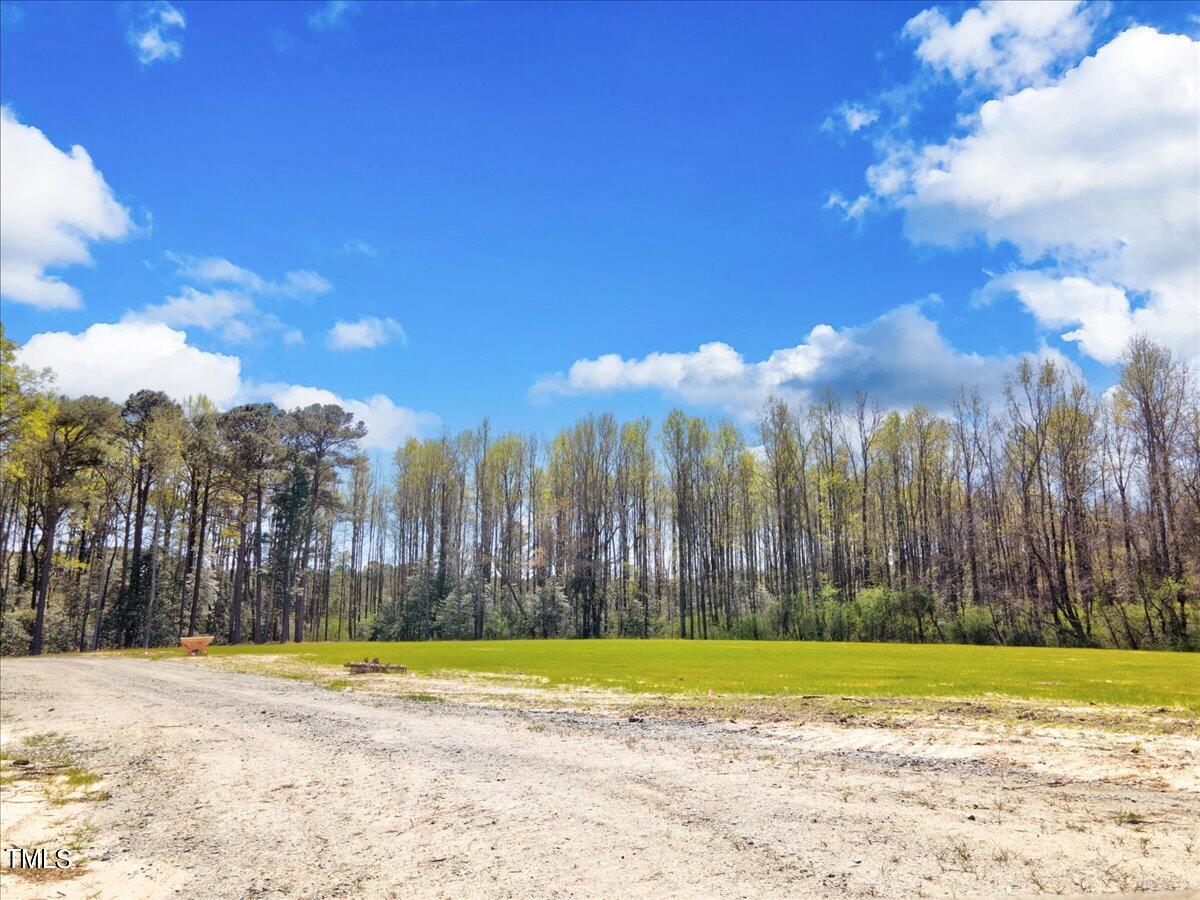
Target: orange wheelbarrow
[[196, 645]]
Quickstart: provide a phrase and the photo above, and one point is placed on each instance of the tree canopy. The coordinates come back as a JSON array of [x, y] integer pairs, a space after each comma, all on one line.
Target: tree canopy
[[1049, 515]]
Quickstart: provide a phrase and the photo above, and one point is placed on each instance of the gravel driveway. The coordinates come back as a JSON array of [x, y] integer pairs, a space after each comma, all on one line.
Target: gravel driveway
[[233, 785]]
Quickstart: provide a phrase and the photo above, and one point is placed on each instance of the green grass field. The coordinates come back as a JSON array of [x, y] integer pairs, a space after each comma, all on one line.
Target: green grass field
[[781, 668]]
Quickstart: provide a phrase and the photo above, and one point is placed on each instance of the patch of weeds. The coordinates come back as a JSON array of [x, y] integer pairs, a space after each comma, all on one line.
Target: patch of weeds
[[338, 684], [920, 799], [77, 777], [963, 852], [48, 748], [423, 698], [47, 760], [81, 837], [62, 792], [958, 855], [1116, 877], [1035, 876]]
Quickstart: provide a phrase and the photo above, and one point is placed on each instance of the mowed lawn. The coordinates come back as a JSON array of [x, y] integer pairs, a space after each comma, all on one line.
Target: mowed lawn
[[1137, 678]]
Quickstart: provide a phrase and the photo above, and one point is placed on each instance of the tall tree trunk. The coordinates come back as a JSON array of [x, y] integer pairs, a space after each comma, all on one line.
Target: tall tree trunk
[[148, 627], [50, 525], [203, 530]]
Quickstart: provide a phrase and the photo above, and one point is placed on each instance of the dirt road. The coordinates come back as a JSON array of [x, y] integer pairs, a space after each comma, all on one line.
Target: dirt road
[[234, 785]]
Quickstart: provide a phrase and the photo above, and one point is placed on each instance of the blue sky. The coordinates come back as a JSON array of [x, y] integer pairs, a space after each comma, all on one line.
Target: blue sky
[[509, 188]]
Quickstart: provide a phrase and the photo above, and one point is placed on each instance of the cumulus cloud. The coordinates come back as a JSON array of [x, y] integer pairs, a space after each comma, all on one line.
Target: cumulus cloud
[[1098, 173], [156, 35], [193, 307], [1005, 45], [114, 360], [367, 333], [53, 205], [1092, 174], [231, 312], [1099, 315], [900, 358], [388, 425], [332, 14]]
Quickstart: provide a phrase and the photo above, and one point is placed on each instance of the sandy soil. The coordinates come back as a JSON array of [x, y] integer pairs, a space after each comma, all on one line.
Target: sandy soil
[[228, 784]]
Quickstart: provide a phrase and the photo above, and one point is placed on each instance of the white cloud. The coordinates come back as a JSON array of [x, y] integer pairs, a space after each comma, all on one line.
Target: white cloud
[[193, 307], [157, 34], [388, 425], [1005, 45], [332, 14], [367, 333], [1093, 178], [227, 301], [116, 360], [234, 314], [850, 209], [52, 206], [216, 270], [299, 284], [851, 116], [1099, 314], [900, 358]]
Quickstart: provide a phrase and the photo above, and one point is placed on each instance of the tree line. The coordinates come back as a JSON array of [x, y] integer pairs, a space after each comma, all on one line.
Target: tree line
[[1051, 515]]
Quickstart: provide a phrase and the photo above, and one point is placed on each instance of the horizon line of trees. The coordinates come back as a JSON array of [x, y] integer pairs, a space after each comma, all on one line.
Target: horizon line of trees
[[1050, 516]]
